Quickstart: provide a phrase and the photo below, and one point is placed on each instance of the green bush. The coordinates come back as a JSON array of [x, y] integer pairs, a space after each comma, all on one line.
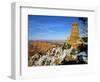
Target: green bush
[[73, 52], [68, 46]]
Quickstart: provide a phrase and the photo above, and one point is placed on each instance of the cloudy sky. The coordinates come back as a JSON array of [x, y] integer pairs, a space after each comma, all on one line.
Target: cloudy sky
[[50, 27]]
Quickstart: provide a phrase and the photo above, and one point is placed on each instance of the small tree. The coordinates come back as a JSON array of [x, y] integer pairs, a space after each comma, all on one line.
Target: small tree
[[84, 27]]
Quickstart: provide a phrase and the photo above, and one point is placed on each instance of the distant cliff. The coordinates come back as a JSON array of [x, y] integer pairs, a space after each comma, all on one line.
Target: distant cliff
[[40, 47]]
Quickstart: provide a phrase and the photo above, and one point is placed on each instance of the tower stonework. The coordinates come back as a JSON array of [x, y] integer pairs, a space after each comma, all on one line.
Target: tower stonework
[[74, 38]]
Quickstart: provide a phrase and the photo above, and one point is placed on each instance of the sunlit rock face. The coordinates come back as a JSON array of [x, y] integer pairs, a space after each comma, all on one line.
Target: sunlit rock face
[[74, 38], [39, 47], [58, 56]]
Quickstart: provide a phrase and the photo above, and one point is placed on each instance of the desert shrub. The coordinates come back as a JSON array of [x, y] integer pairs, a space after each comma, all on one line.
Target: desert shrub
[[73, 52], [68, 46], [82, 47], [85, 39]]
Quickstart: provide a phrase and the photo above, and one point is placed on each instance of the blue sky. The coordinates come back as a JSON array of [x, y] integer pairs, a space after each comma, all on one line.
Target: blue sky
[[50, 27]]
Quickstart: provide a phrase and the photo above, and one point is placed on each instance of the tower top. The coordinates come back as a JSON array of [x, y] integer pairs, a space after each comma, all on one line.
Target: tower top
[[75, 24]]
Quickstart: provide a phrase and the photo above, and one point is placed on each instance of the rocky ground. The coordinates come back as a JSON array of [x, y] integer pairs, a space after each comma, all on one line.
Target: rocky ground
[[51, 54]]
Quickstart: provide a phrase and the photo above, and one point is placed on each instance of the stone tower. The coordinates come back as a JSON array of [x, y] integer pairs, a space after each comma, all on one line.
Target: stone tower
[[74, 38]]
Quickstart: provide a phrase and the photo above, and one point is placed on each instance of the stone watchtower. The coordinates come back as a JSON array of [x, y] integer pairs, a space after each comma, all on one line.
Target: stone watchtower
[[74, 38]]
